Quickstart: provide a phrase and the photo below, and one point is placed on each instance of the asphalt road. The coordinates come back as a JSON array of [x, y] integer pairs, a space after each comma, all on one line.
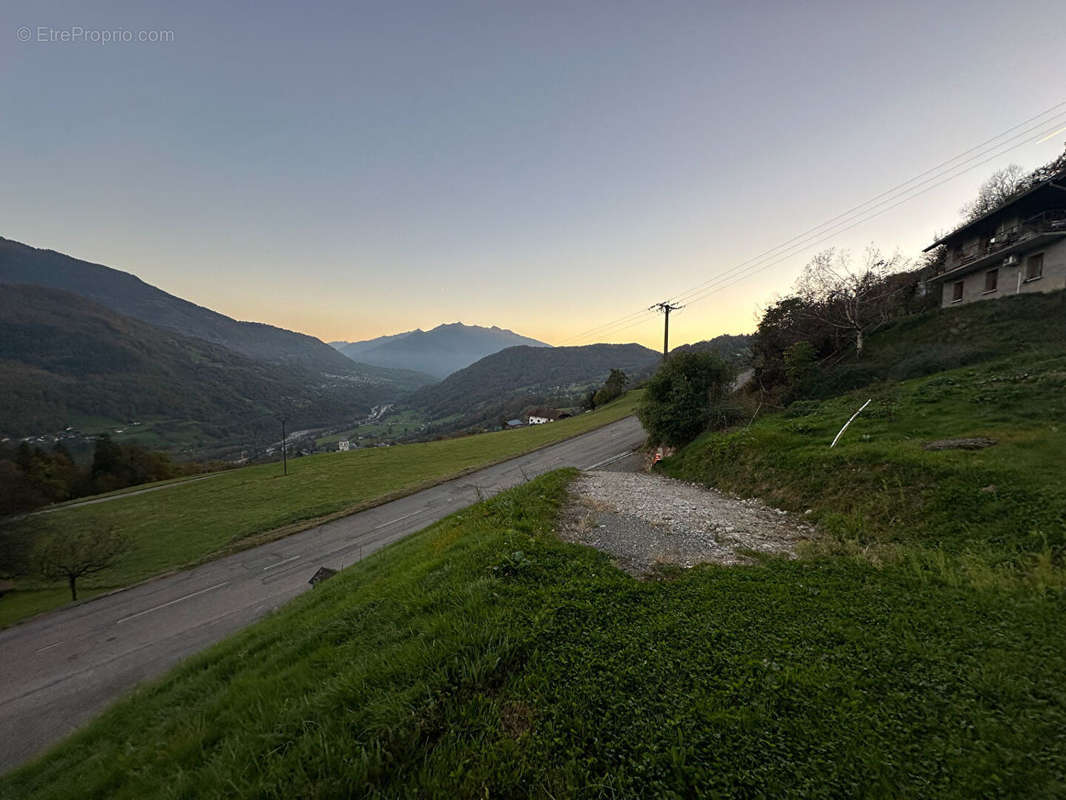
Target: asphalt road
[[61, 669]]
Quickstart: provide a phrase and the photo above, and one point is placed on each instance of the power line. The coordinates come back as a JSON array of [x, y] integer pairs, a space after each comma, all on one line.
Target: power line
[[694, 297], [872, 211], [909, 185], [901, 193]]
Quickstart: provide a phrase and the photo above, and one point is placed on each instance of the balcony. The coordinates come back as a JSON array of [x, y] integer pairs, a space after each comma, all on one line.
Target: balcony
[[1029, 234]]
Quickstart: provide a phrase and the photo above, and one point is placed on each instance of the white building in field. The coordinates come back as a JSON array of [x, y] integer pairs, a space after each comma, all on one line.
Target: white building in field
[[539, 420], [344, 446]]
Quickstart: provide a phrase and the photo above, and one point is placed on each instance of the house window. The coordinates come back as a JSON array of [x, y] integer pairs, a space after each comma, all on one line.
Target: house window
[[991, 278], [956, 292], [1034, 267]]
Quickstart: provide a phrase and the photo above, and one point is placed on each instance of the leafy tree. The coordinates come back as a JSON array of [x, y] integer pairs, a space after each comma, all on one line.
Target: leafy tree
[[800, 361], [75, 555], [612, 388], [686, 397], [14, 547]]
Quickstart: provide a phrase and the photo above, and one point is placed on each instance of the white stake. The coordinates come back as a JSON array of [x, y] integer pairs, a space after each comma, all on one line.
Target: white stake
[[849, 422]]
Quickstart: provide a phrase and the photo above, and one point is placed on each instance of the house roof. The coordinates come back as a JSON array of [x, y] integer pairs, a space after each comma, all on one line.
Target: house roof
[[973, 223]]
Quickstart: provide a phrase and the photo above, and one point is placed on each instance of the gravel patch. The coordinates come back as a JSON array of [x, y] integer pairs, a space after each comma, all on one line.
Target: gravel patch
[[645, 520]]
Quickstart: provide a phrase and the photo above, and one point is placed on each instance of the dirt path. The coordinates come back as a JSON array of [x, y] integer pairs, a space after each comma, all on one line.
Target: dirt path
[[644, 520]]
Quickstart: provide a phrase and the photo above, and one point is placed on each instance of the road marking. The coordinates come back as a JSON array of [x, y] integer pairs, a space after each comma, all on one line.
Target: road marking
[[400, 519], [49, 647], [172, 602], [611, 460], [278, 564]]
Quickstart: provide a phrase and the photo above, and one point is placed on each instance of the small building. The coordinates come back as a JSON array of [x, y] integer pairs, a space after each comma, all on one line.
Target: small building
[[539, 416], [515, 423], [1015, 248], [343, 446]]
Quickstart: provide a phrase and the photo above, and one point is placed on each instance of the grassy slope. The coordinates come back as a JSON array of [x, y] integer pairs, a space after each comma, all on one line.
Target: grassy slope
[[190, 522], [448, 666], [880, 488]]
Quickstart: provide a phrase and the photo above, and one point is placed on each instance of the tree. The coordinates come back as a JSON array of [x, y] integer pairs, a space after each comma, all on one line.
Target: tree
[[852, 301], [612, 388], [686, 397], [800, 363], [994, 192], [75, 555]]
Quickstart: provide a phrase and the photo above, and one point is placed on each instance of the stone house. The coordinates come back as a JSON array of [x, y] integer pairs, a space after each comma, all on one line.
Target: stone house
[[1018, 247]]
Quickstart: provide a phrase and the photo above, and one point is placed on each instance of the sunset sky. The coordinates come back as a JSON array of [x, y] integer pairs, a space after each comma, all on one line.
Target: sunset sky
[[350, 170]]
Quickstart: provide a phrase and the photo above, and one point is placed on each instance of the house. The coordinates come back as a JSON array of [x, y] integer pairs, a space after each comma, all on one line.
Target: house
[[343, 446], [541, 415], [1018, 247]]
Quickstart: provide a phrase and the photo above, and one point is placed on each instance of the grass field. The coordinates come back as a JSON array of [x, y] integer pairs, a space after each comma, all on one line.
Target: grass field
[[192, 521], [483, 657]]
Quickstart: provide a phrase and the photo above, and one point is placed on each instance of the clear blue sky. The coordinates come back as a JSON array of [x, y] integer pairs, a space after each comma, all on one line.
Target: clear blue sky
[[351, 169]]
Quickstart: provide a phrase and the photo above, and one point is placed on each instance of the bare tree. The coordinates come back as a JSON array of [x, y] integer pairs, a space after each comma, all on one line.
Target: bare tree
[[76, 555], [852, 301], [994, 192]]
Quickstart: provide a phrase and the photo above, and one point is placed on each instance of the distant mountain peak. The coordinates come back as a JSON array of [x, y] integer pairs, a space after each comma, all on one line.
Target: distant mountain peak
[[440, 351]]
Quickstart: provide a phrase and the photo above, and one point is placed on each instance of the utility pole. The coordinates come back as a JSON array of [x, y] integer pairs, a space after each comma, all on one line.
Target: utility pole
[[665, 308], [284, 458]]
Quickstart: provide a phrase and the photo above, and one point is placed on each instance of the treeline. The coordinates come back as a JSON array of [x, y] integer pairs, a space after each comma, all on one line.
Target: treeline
[[828, 318], [31, 477]]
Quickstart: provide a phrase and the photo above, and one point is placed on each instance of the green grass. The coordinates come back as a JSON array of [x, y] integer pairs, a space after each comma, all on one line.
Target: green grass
[[483, 657], [192, 521], [394, 426], [880, 488]]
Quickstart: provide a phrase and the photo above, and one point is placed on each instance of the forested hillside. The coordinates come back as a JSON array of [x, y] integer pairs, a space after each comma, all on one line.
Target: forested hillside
[[64, 358], [505, 382], [732, 347]]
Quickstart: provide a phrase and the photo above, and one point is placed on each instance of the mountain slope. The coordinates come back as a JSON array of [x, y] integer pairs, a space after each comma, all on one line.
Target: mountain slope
[[128, 295], [64, 357], [353, 349], [438, 352], [731, 347], [502, 383]]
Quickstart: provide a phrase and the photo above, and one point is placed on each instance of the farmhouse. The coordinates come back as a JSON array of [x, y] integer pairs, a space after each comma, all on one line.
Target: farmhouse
[[1018, 247]]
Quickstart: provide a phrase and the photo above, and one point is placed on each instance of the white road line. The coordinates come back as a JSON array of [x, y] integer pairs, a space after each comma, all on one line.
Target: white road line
[[172, 602], [279, 563], [611, 460], [400, 519], [49, 647]]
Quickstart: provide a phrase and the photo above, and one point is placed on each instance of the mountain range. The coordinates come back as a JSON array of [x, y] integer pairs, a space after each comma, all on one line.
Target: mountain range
[[128, 295], [437, 352], [66, 360], [82, 344]]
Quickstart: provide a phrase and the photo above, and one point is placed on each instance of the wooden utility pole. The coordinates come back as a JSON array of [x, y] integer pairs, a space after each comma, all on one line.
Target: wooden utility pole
[[665, 308]]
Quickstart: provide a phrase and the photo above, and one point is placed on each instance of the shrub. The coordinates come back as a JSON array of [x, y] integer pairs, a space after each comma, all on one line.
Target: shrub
[[686, 397]]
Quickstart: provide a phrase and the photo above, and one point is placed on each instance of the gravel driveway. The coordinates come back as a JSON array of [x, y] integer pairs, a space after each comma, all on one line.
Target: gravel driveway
[[644, 520]]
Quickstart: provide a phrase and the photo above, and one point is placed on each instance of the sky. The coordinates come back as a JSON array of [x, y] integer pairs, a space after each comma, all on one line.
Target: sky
[[354, 169]]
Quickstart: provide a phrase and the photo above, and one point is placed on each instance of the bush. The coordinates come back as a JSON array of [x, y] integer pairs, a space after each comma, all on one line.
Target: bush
[[686, 397]]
